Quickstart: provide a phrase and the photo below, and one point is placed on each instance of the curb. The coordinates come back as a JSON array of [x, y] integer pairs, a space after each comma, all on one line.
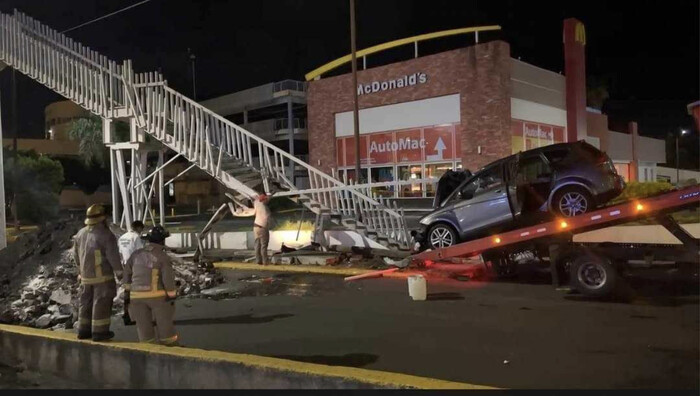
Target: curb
[[136, 365], [306, 269]]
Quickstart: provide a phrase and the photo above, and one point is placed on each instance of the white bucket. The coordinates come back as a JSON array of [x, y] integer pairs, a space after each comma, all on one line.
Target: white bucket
[[417, 287]]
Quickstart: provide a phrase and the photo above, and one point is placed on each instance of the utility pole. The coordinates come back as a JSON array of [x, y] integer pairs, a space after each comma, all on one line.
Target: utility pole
[[678, 156], [356, 110], [15, 131], [3, 227], [194, 80]]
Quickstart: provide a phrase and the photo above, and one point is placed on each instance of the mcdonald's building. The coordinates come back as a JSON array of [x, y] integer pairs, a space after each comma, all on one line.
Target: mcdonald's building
[[459, 109]]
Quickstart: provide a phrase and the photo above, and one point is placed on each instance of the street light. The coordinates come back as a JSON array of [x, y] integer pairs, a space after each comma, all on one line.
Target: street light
[[678, 155]]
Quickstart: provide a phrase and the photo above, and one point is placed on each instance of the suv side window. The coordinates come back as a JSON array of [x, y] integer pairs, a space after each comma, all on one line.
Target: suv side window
[[554, 156], [532, 169], [488, 179]]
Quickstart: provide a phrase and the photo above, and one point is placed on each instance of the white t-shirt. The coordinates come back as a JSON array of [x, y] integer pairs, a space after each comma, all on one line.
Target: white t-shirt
[[262, 214], [129, 243]]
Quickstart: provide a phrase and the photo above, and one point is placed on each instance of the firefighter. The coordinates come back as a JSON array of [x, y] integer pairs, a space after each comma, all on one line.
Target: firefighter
[[97, 255], [149, 284]]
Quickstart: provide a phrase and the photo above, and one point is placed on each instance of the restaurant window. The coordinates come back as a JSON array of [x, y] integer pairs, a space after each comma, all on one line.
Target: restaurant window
[[408, 173], [351, 175], [434, 172], [382, 175]]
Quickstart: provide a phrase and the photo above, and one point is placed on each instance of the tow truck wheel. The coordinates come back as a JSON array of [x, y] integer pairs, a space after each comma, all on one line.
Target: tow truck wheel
[[441, 236], [593, 275]]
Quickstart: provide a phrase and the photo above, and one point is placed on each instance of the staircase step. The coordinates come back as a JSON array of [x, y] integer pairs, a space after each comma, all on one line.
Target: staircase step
[[233, 171]]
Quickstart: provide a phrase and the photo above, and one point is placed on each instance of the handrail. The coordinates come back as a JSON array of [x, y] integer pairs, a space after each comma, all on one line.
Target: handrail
[[190, 129], [396, 43], [54, 42], [275, 149]]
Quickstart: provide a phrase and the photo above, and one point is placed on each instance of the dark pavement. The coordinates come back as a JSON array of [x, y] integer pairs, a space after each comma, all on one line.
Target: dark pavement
[[513, 335]]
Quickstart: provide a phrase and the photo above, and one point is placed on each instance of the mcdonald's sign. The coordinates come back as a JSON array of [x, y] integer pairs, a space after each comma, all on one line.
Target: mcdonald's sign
[[580, 33]]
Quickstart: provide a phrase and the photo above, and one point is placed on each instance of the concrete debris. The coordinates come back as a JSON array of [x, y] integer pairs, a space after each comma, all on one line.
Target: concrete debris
[[43, 322], [39, 278], [396, 263], [61, 297]]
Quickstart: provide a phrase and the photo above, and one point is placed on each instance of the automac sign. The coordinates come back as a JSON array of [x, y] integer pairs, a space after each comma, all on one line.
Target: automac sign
[[405, 81]]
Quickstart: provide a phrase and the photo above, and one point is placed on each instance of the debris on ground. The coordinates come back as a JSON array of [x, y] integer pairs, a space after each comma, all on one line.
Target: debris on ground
[[39, 278]]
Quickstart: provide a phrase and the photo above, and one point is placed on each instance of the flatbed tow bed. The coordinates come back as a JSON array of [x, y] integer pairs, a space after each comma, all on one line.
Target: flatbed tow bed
[[592, 268]]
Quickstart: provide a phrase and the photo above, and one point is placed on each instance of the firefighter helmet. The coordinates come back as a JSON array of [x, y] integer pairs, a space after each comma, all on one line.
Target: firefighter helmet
[[157, 234], [94, 214]]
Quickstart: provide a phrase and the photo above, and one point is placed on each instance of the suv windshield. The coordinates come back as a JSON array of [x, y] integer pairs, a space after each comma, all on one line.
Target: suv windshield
[[483, 181]]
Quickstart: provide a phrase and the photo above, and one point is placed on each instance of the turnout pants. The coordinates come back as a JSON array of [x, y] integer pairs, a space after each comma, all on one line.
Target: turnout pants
[[96, 307], [262, 238], [147, 310]]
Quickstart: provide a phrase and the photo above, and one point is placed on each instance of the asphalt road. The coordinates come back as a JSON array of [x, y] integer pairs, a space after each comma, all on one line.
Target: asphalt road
[[513, 335]]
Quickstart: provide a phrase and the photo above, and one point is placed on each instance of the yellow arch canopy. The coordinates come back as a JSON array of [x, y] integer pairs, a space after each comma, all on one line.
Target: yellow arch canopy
[[396, 43]]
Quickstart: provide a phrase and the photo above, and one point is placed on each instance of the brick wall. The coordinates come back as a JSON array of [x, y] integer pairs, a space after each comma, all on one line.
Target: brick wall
[[480, 74]]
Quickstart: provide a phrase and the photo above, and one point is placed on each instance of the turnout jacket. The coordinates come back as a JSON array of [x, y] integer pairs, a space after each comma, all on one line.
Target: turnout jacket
[[97, 254], [149, 273]]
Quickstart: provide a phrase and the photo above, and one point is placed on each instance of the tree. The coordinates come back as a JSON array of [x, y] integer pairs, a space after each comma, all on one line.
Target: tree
[[88, 131], [38, 181]]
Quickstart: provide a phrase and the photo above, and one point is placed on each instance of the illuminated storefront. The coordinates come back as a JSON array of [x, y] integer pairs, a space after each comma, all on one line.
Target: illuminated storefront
[[464, 108], [402, 155]]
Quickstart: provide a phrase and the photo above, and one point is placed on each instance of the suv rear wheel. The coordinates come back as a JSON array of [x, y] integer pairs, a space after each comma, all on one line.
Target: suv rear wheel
[[572, 201], [441, 235]]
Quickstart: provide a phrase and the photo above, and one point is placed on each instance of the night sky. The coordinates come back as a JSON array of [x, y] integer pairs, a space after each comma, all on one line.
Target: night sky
[[647, 50]]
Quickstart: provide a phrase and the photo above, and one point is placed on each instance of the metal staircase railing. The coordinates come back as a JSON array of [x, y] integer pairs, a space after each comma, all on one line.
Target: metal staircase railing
[[111, 90]]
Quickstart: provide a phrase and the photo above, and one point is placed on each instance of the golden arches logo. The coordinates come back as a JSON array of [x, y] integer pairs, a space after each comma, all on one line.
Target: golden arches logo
[[580, 33]]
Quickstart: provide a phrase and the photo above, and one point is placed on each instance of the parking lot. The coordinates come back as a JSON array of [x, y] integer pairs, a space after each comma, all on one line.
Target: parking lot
[[519, 334]]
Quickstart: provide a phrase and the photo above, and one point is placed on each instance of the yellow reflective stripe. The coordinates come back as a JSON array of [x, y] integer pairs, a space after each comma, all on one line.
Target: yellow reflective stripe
[[92, 281], [84, 321], [98, 263], [154, 279], [147, 294], [169, 340], [101, 322], [127, 286], [150, 341]]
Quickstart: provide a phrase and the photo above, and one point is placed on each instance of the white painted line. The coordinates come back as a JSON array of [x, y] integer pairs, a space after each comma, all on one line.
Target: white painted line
[[596, 217], [525, 233], [542, 230], [614, 213]]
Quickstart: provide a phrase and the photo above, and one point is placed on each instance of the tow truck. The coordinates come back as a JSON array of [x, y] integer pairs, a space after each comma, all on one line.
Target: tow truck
[[593, 269]]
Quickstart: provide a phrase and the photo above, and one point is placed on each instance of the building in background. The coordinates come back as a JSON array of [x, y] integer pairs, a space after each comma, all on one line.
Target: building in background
[[462, 108], [268, 111], [58, 117]]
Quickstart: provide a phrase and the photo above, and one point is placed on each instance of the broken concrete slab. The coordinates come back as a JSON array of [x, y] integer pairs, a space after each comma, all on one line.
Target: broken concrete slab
[[318, 259], [44, 321], [61, 297]]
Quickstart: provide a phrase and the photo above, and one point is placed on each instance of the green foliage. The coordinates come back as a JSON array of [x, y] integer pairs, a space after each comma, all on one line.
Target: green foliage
[[35, 183], [88, 131], [640, 190]]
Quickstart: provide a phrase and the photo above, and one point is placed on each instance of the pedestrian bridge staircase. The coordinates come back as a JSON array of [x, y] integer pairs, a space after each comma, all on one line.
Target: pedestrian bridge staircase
[[244, 163]]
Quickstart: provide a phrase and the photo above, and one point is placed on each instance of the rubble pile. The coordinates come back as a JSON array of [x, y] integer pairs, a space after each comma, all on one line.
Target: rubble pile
[[39, 278], [191, 279], [39, 284]]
